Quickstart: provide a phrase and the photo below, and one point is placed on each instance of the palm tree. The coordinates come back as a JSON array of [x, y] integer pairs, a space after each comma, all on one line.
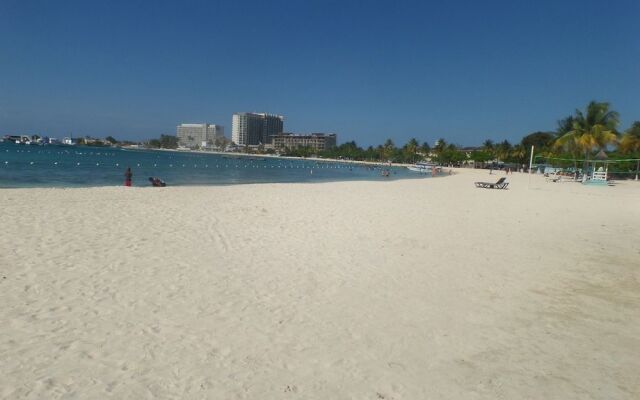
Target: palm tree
[[503, 150], [593, 130], [565, 125], [489, 147], [425, 149], [411, 148], [519, 154], [440, 145], [630, 142], [388, 150]]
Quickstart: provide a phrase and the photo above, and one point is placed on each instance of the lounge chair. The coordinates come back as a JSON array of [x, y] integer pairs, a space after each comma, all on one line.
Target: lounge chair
[[555, 177], [501, 184]]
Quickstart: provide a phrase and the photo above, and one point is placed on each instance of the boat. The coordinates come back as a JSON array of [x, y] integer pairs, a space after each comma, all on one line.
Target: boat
[[18, 139], [425, 167], [67, 141]]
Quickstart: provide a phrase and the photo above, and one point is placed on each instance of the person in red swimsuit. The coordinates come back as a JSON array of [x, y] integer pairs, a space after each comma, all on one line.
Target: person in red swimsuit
[[127, 177]]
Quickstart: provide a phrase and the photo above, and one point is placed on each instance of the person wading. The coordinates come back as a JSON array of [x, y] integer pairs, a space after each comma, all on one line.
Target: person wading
[[127, 177]]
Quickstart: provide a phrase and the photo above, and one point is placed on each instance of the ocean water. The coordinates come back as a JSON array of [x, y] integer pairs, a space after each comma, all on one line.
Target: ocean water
[[69, 166]]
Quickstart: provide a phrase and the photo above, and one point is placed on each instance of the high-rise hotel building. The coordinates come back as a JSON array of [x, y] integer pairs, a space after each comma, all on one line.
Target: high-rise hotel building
[[194, 135], [255, 128]]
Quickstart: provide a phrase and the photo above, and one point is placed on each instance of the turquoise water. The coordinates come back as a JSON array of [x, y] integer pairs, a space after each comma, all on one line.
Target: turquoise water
[[68, 166]]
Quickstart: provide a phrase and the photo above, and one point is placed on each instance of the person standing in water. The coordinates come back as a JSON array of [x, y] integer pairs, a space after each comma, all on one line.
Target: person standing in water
[[127, 177]]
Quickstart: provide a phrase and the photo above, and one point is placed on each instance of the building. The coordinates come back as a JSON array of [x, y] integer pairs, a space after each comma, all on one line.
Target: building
[[198, 135], [317, 141], [255, 128]]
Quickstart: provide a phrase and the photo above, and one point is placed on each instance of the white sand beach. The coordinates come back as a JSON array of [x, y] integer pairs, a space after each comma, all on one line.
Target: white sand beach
[[415, 289]]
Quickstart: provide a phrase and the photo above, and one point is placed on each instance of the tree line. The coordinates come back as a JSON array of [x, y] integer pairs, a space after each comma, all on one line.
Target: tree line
[[578, 136]]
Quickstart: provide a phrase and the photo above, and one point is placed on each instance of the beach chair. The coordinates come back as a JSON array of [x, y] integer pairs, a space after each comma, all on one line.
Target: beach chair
[[555, 177], [501, 184]]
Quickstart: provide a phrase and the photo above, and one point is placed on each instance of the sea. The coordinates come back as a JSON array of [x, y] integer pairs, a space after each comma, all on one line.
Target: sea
[[82, 166]]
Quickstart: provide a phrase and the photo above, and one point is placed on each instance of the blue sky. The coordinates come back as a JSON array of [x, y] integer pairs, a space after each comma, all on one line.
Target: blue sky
[[463, 70]]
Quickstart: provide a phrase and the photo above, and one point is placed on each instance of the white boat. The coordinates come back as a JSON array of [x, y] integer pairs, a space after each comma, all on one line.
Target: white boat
[[425, 167]]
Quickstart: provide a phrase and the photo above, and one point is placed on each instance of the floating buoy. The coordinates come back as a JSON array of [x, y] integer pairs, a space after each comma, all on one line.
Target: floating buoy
[[31, 163]]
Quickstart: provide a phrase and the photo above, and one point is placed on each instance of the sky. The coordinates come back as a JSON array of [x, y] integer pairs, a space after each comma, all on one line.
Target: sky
[[465, 71]]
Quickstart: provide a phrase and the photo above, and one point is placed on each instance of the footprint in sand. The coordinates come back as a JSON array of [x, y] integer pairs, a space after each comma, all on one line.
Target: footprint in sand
[[291, 388]]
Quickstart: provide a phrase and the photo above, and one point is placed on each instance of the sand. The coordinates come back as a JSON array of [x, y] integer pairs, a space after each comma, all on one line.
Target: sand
[[417, 289]]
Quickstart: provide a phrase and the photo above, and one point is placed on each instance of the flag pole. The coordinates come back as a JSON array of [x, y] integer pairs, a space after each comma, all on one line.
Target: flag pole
[[530, 165]]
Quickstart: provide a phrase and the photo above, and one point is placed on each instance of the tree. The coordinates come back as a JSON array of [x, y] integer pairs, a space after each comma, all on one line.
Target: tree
[[503, 149], [388, 150], [221, 142], [540, 140], [302, 151], [481, 156], [489, 147], [370, 154], [519, 154], [440, 146], [592, 130], [349, 150], [168, 141], [565, 125], [410, 149], [111, 139], [425, 149], [630, 142], [165, 142]]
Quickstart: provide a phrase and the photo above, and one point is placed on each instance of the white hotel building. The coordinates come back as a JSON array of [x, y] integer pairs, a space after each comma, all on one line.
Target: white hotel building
[[194, 135]]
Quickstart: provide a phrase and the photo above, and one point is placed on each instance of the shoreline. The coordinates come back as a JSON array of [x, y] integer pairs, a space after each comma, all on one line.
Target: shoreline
[[333, 160]]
